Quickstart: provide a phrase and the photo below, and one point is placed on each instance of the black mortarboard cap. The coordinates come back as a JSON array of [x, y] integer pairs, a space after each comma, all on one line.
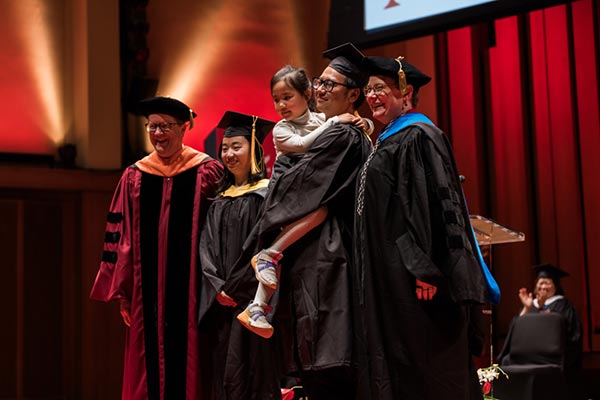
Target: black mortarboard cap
[[348, 61], [169, 106], [391, 67], [238, 124], [549, 271], [250, 126]]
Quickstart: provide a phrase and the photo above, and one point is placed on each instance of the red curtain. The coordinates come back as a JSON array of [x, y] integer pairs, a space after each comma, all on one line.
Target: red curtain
[[523, 117]]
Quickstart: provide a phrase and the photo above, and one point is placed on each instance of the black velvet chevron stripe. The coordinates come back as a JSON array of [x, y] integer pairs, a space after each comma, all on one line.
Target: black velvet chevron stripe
[[109, 257], [455, 242], [446, 193], [112, 237], [114, 218], [450, 217]]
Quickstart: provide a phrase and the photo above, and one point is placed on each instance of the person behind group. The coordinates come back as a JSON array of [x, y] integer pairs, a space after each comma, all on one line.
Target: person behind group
[[418, 264], [548, 296], [314, 313], [300, 125], [150, 257], [244, 365]]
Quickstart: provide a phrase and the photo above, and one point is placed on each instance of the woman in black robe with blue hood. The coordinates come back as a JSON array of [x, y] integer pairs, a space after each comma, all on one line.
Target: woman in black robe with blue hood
[[244, 364], [417, 262]]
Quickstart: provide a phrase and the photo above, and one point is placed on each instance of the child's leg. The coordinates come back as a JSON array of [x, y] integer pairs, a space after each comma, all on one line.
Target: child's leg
[[265, 262]]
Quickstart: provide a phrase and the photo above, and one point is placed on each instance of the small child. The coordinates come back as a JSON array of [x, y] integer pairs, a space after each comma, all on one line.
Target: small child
[[292, 94], [292, 136]]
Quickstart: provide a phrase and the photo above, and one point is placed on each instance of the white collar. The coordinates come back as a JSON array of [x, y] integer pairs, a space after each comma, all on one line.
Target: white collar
[[549, 300]]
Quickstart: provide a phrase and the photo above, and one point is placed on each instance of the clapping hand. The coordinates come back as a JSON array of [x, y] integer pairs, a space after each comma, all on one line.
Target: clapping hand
[[526, 299]]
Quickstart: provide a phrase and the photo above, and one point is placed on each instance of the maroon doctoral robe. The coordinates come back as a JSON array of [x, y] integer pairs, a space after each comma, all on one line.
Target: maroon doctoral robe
[[151, 259]]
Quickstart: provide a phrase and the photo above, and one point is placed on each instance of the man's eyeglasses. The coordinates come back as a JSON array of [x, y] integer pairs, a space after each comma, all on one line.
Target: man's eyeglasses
[[326, 84], [377, 90], [164, 127]]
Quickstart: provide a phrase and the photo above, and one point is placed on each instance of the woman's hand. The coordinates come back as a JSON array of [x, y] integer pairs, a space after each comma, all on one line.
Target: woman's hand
[[425, 291], [225, 300], [526, 299], [360, 123], [125, 309]]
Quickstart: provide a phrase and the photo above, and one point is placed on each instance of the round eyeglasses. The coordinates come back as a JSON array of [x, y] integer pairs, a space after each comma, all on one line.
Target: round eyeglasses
[[326, 84], [377, 90], [165, 127]]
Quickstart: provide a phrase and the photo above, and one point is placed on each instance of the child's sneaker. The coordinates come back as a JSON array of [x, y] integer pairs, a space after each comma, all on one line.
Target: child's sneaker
[[265, 266], [253, 318]]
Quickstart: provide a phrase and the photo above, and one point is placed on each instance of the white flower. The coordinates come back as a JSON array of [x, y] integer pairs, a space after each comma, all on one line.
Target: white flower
[[490, 373]]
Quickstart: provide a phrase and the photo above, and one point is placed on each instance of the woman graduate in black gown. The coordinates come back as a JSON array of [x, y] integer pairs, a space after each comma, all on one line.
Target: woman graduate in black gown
[[548, 296], [243, 363]]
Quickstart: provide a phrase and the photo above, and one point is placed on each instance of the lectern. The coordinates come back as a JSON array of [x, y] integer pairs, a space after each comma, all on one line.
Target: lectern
[[488, 233]]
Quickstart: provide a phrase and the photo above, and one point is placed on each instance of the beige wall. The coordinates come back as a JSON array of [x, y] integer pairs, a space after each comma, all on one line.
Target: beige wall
[[93, 41]]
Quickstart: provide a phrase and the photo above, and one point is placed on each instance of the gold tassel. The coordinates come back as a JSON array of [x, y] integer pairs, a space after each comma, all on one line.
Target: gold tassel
[[254, 168], [191, 119], [401, 77]]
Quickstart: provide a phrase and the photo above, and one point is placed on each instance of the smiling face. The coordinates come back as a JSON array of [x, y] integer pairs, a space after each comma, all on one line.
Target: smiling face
[[545, 287], [166, 144], [288, 102], [340, 99], [235, 153], [386, 100]]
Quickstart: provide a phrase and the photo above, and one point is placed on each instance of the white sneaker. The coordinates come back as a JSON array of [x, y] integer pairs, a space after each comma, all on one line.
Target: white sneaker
[[266, 270], [253, 318]]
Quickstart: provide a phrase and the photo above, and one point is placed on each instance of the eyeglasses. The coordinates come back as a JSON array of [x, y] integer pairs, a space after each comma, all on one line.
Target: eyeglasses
[[377, 90], [164, 127], [326, 84]]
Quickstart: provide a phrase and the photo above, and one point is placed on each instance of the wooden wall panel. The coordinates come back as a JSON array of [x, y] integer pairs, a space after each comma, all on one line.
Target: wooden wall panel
[[102, 329], [9, 228], [55, 342], [42, 294]]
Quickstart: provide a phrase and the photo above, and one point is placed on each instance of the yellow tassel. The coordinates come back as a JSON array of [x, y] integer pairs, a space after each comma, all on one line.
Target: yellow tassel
[[191, 119], [254, 168], [401, 77]]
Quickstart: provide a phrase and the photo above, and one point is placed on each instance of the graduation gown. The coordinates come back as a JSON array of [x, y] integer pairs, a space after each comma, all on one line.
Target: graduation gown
[[244, 364], [414, 225], [314, 315], [150, 258]]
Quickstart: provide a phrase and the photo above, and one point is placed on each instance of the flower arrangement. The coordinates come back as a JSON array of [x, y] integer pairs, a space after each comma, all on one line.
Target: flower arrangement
[[486, 377]]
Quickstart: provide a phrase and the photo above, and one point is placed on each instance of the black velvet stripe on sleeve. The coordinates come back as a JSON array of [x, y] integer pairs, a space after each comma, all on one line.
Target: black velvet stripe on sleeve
[[112, 237], [150, 206], [109, 257], [114, 218]]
